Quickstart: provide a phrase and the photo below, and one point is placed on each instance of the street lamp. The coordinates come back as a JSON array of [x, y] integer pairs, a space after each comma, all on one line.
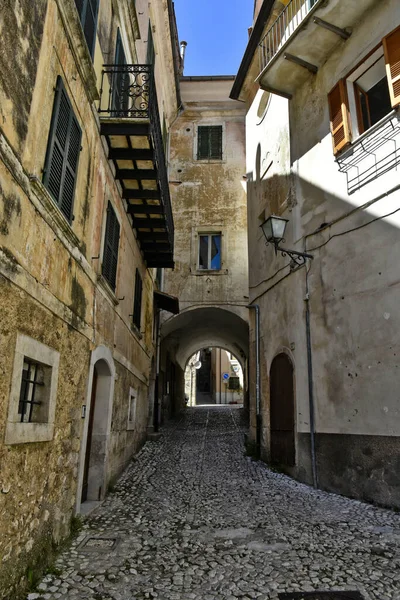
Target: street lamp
[[274, 230]]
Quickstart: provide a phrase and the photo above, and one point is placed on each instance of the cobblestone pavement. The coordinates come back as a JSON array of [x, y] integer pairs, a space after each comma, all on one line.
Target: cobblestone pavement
[[196, 519]]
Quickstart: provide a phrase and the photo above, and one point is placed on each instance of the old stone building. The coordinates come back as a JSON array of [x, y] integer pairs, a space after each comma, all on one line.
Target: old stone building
[[322, 139], [207, 179], [88, 91]]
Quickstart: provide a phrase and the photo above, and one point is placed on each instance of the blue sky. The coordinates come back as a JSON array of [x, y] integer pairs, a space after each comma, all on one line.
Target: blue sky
[[216, 33]]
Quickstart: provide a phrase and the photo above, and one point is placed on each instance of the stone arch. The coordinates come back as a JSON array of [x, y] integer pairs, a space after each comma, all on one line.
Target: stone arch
[[97, 427]]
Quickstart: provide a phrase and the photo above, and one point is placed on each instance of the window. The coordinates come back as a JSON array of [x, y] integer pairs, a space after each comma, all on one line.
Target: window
[[87, 10], [32, 402], [137, 306], [62, 154], [209, 142], [210, 251], [367, 94], [132, 408], [111, 244]]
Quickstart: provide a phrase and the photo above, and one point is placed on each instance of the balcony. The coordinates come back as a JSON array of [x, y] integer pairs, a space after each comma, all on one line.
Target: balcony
[[130, 123], [301, 39]]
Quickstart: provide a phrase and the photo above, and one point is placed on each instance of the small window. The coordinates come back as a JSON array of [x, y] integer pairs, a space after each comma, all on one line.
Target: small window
[[87, 10], [137, 306], [111, 245], [372, 95], [210, 251], [63, 149], [32, 404], [132, 408], [209, 142]]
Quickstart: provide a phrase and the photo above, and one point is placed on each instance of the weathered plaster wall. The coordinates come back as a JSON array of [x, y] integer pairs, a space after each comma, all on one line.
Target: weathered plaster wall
[[50, 275], [353, 280]]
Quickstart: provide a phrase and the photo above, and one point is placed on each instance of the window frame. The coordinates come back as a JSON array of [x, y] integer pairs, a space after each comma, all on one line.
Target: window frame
[[138, 301], [197, 139], [22, 432], [209, 234], [131, 423], [82, 13]]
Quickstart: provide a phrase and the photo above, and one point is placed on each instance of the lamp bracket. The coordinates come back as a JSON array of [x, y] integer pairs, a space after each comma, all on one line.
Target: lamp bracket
[[298, 257]]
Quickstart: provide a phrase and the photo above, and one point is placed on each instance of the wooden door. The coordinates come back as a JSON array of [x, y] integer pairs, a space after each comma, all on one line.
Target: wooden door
[[282, 411], [89, 439]]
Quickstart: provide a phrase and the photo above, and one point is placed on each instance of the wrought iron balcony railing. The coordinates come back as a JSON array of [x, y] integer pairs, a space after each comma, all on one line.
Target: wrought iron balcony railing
[[283, 28], [128, 95]]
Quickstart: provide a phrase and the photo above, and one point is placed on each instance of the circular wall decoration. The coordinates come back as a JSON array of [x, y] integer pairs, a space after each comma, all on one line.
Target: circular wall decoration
[[264, 103]]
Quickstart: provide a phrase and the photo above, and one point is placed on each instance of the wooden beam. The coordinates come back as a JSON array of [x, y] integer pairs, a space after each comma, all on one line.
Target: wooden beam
[[141, 194], [267, 88], [138, 174], [125, 128], [145, 209], [299, 61], [130, 154], [338, 30], [155, 235], [149, 223]]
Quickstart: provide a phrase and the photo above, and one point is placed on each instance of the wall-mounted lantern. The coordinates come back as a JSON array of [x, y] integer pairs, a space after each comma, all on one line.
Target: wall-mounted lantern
[[274, 231]]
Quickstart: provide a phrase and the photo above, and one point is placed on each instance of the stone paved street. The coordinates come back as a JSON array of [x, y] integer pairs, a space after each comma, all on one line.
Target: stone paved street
[[196, 519]]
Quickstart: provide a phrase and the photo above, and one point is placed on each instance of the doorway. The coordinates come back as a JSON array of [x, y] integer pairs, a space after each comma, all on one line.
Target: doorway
[[282, 419]]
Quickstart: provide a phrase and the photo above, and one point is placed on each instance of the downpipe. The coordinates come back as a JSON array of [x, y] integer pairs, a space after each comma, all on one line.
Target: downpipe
[[258, 386], [310, 387]]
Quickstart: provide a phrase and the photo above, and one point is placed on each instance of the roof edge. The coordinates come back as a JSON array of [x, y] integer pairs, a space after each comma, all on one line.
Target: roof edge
[[208, 78], [262, 19]]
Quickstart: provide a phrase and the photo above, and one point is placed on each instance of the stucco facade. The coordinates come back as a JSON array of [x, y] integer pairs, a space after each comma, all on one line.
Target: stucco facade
[[208, 199], [58, 309], [350, 225]]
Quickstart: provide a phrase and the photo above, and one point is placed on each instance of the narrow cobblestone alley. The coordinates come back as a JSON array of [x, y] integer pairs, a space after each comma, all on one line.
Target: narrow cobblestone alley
[[194, 518]]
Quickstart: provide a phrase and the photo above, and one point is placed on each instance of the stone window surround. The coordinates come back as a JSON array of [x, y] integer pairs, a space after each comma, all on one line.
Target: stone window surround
[[133, 393], [209, 123], [22, 433], [196, 232]]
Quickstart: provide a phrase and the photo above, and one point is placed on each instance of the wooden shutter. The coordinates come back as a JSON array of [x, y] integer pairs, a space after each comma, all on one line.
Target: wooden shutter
[[63, 151], [111, 245], [391, 45], [215, 141], [202, 143], [137, 307], [339, 116]]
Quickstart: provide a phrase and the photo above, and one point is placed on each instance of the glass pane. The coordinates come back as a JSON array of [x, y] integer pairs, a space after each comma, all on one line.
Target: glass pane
[[203, 252], [216, 252], [379, 101]]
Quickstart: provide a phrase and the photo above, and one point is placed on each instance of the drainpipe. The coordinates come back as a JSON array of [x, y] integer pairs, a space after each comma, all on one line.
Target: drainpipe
[[310, 387], [258, 387]]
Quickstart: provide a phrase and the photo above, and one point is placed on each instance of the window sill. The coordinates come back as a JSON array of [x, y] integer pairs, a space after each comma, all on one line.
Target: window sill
[[136, 331], [78, 46], [105, 286], [200, 272], [210, 160], [130, 427], [28, 433]]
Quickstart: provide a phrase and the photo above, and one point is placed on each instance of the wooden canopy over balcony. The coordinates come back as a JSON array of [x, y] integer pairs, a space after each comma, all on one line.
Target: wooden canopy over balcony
[[302, 38], [130, 123]]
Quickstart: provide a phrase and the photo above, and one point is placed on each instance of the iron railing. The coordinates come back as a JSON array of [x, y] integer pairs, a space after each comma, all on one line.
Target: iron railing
[[129, 92], [283, 28]]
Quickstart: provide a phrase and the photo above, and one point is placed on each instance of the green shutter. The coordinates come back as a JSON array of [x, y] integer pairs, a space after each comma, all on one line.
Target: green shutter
[[63, 151], [150, 58], [209, 142], [215, 140], [111, 245], [137, 307]]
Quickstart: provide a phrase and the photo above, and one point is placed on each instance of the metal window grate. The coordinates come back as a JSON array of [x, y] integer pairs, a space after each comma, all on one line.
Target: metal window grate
[[29, 385]]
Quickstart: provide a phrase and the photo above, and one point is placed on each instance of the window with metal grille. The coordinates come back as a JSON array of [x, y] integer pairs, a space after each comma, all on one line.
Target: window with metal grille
[[137, 306], [88, 10], [111, 244], [63, 149], [33, 398], [210, 251], [209, 142]]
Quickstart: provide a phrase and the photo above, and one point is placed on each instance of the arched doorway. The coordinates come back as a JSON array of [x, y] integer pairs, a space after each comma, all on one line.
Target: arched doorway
[[282, 411], [94, 448]]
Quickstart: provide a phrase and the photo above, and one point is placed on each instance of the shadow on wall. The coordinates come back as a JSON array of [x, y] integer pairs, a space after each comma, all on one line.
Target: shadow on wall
[[354, 284]]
